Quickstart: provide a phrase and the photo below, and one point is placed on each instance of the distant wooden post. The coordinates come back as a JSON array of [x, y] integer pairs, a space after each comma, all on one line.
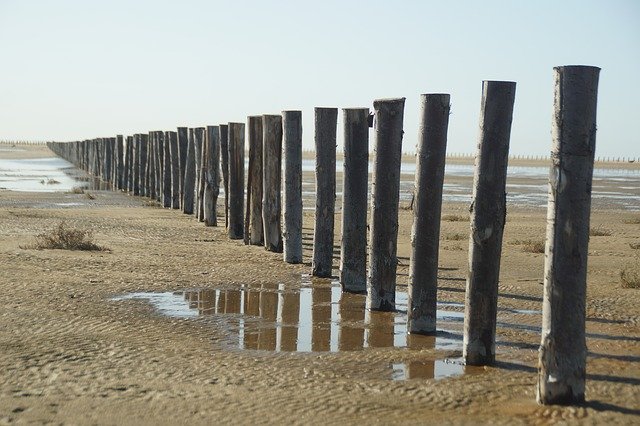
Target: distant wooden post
[[224, 152], [142, 146], [488, 213], [166, 170], [200, 182], [254, 231], [129, 165], [353, 253], [158, 140], [425, 235], [326, 120], [292, 197], [271, 181], [136, 164], [189, 175], [183, 144], [151, 166], [212, 176], [389, 114], [563, 349], [197, 146], [236, 180], [174, 155]]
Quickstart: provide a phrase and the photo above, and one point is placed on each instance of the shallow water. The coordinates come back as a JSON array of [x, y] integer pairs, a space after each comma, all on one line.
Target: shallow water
[[52, 174]]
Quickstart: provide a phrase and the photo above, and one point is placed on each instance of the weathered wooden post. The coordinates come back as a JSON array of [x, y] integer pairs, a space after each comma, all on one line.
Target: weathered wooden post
[[425, 235], [563, 349], [488, 213], [166, 170], [292, 197], [271, 181], [224, 152], [254, 185], [189, 175], [129, 169], [174, 154], [212, 176], [326, 120], [353, 253], [236, 180], [120, 162], [197, 147], [151, 166], [183, 144], [142, 145], [159, 167], [389, 114], [136, 164]]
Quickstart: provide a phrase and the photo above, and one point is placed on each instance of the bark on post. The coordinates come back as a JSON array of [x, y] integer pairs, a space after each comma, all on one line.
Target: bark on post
[[159, 159], [142, 150], [488, 213], [271, 181], [174, 154], [212, 176], [166, 171], [292, 197], [563, 350], [326, 120], [151, 166], [425, 234], [254, 186], [129, 165], [189, 175], [353, 252], [183, 144], [197, 146], [224, 152], [136, 164], [200, 182], [236, 180], [389, 114]]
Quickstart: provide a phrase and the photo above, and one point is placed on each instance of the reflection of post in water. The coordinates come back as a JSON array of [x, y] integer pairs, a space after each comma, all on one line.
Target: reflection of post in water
[[269, 312], [233, 302], [222, 300], [421, 341], [380, 329], [290, 309], [321, 319], [251, 308], [351, 337], [207, 303], [192, 298], [421, 369]]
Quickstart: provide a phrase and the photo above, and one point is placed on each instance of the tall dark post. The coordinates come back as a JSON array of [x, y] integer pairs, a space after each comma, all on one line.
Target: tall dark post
[[174, 155], [353, 253], [183, 144], [388, 118], [166, 171], [292, 197], [425, 235], [212, 175], [189, 175], [129, 166], [136, 164], [224, 152], [563, 349], [142, 152], [236, 180], [271, 181], [326, 120], [488, 212], [254, 185]]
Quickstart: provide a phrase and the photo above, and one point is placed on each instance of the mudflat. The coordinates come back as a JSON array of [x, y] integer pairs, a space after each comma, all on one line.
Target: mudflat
[[71, 354]]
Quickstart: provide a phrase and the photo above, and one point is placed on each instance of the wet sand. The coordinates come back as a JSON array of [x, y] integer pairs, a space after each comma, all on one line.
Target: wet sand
[[71, 354]]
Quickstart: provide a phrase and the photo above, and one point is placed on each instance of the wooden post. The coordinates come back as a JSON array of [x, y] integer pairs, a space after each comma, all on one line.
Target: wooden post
[[151, 166], [189, 175], [166, 170], [174, 155], [488, 213], [389, 114], [353, 252], [136, 164], [224, 152], [236, 180], [120, 162], [197, 147], [142, 150], [212, 176], [200, 157], [563, 349], [425, 235], [271, 181], [254, 184], [183, 144], [129, 167], [159, 167], [326, 120], [292, 197]]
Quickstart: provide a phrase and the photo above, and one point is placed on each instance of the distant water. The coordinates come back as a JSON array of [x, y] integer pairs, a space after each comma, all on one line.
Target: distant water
[[52, 174]]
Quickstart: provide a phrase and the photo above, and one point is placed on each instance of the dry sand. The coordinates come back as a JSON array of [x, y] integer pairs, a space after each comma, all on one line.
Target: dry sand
[[69, 354]]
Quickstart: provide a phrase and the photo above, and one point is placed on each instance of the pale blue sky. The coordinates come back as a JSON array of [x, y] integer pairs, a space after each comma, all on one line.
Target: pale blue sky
[[76, 69]]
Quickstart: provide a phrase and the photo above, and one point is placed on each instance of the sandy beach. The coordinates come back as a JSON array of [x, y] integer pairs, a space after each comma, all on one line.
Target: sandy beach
[[71, 354]]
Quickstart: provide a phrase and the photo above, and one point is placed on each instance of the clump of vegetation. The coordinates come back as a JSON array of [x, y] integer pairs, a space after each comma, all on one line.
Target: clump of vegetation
[[632, 221], [454, 236], [635, 246], [151, 203], [531, 246], [90, 196], [77, 190], [630, 277], [599, 231], [49, 182], [64, 238], [455, 218]]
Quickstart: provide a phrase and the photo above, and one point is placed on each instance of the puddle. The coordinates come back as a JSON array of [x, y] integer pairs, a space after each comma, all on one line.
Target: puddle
[[44, 175], [432, 369]]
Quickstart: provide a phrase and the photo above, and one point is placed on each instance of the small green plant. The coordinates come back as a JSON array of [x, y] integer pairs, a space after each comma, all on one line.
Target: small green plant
[[630, 277], [64, 238], [455, 218], [599, 231]]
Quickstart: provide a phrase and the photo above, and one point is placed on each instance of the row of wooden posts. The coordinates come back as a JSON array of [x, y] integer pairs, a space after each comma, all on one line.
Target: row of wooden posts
[[181, 170]]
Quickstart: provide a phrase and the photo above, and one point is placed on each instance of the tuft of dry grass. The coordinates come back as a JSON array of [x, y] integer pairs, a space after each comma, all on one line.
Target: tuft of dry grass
[[64, 238], [455, 218], [90, 196], [454, 236], [531, 246], [76, 190], [599, 231], [630, 276], [151, 203], [635, 246]]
